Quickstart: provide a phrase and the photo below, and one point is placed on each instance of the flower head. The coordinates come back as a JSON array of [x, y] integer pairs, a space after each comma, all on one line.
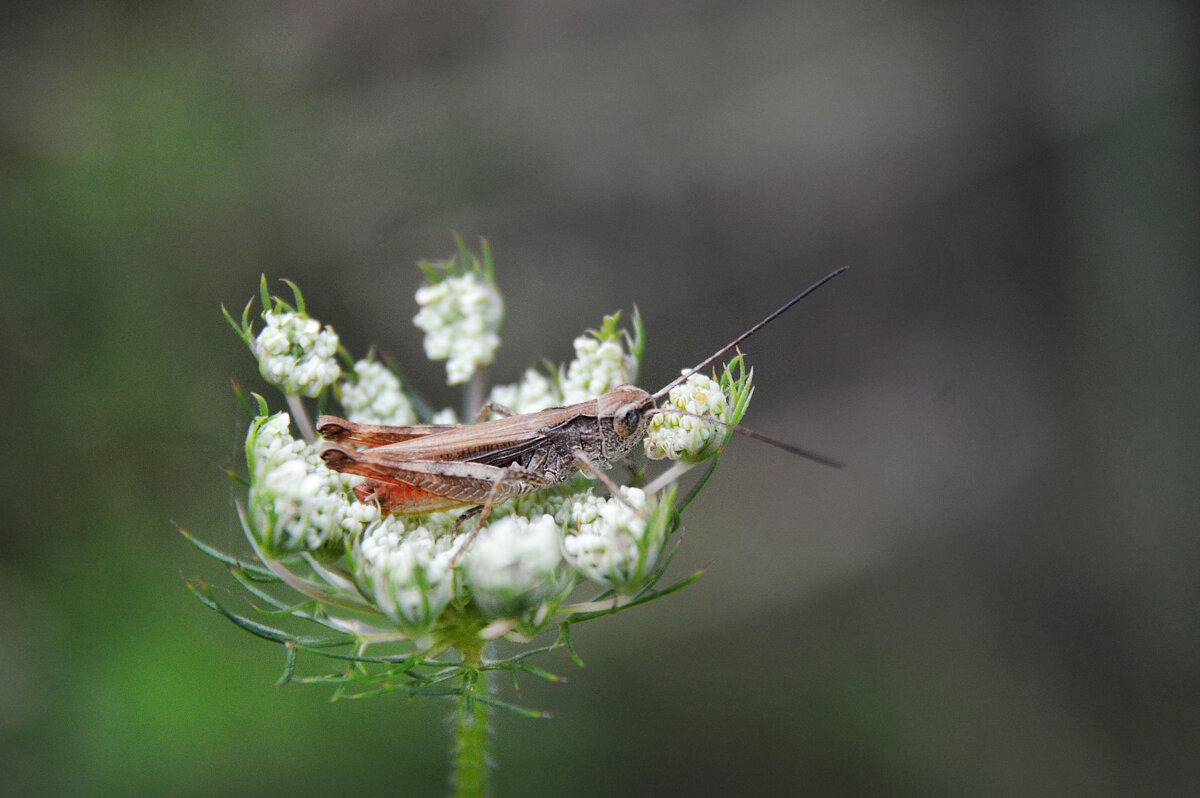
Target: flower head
[[611, 542], [686, 437], [604, 359], [395, 593], [405, 572], [514, 566], [375, 396], [296, 353], [598, 367], [295, 503], [461, 311], [534, 392]]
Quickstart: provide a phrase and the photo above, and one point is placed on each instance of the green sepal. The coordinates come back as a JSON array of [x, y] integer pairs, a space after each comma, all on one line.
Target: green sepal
[[608, 328], [462, 262], [263, 293]]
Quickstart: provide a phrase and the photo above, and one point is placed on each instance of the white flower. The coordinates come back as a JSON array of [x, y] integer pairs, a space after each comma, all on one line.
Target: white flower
[[295, 353], [610, 543], [598, 367], [513, 565], [295, 503], [461, 318], [444, 416], [534, 392], [375, 396], [679, 437], [407, 574]]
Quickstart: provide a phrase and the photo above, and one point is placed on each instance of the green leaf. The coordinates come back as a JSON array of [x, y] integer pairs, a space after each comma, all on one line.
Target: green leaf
[[489, 269], [637, 343], [564, 634], [540, 673], [204, 593], [432, 271], [228, 559], [467, 261], [513, 708], [298, 296], [289, 665], [236, 477], [241, 330], [242, 401], [579, 617], [263, 293]]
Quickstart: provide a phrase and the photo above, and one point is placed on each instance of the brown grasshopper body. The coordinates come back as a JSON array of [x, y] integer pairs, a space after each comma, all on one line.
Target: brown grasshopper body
[[421, 469], [424, 468]]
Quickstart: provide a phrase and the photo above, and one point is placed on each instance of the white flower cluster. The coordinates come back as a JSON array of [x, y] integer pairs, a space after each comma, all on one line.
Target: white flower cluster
[[513, 567], [296, 504], [534, 392], [610, 543], [295, 353], [444, 416], [406, 573], [598, 367], [375, 396], [461, 318], [679, 437]]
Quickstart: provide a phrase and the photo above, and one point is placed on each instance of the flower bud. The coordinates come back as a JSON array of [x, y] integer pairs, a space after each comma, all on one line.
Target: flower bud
[[295, 353], [679, 437], [513, 566], [610, 543], [406, 574]]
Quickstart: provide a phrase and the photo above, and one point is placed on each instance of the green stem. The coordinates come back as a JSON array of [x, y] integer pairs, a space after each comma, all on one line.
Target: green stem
[[470, 776]]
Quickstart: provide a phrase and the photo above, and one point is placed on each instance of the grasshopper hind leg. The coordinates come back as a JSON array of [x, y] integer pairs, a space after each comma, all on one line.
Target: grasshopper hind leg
[[533, 480]]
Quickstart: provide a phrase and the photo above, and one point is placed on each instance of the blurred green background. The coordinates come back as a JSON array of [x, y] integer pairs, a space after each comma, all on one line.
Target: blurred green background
[[999, 596]]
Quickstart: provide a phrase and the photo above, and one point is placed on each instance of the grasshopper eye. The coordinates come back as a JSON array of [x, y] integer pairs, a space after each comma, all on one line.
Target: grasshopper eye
[[626, 421]]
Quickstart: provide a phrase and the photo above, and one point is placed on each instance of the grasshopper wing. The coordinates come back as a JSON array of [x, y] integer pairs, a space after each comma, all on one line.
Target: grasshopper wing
[[410, 487], [333, 428]]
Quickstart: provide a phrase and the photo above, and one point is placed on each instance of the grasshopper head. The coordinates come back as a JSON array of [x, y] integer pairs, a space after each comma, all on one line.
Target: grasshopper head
[[623, 415]]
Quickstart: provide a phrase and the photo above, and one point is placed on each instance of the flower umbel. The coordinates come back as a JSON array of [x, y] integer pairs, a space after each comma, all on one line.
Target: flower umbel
[[401, 598], [604, 359], [295, 353]]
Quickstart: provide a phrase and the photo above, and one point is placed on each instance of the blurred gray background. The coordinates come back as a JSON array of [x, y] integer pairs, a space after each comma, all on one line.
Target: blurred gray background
[[998, 596]]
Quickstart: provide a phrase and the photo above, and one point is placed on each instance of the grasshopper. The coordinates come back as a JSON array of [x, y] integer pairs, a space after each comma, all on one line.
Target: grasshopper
[[418, 469]]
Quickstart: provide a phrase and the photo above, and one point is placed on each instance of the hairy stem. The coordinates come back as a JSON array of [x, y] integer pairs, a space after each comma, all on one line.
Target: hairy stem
[[470, 776]]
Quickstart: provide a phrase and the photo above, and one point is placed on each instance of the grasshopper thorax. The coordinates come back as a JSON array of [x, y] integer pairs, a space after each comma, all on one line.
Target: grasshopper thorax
[[623, 414]]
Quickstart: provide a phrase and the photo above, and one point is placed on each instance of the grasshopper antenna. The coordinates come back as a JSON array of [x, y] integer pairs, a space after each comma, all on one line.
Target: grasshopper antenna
[[746, 335], [758, 436]]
